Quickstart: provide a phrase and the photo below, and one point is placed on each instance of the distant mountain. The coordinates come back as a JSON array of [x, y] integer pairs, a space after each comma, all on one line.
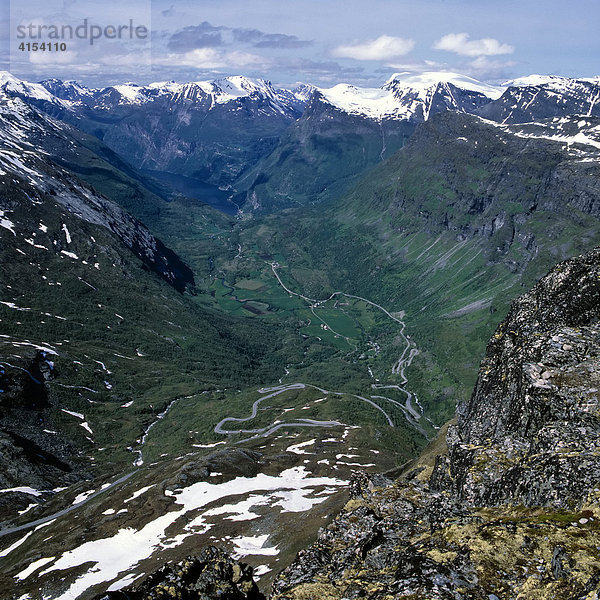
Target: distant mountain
[[539, 97], [345, 130], [208, 131], [11, 85], [413, 97], [417, 97], [220, 91], [237, 141], [319, 156]]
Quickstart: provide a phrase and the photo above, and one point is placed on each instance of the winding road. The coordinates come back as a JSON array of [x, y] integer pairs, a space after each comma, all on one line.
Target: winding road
[[266, 431], [67, 510], [398, 368], [270, 429]]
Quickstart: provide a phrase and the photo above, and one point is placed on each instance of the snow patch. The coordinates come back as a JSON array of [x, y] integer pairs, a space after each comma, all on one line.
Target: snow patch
[[261, 570], [8, 550], [22, 490], [22, 512], [297, 448], [7, 223], [123, 582], [81, 497], [67, 234], [34, 566], [119, 553], [139, 493], [73, 413], [253, 545], [207, 445]]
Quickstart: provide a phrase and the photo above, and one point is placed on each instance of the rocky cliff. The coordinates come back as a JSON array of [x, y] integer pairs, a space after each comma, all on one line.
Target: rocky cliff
[[507, 505], [529, 433]]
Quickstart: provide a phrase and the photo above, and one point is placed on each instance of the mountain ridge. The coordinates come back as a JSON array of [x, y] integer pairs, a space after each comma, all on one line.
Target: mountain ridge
[[254, 143]]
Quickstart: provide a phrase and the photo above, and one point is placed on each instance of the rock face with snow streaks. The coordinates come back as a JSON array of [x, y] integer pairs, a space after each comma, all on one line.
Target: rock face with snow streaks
[[539, 97], [29, 175]]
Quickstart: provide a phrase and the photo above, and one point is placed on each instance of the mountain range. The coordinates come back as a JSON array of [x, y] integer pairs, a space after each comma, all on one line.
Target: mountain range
[[258, 142]]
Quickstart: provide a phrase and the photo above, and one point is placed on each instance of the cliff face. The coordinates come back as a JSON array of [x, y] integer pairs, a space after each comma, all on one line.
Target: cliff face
[[530, 432], [507, 506]]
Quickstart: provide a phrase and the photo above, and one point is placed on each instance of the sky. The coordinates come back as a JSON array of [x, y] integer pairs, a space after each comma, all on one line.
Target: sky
[[322, 42]]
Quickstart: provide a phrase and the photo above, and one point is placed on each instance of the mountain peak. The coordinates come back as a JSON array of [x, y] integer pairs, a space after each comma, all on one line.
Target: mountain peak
[[535, 80], [407, 96], [6, 76], [429, 79], [9, 82], [238, 86]]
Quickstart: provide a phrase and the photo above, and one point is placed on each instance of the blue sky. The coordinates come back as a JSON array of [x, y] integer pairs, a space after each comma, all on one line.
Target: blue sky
[[316, 41]]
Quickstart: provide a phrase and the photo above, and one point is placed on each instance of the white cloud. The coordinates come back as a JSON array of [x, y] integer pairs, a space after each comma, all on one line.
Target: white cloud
[[417, 66], [53, 58], [385, 47], [488, 69], [210, 58], [246, 59], [461, 44], [203, 58]]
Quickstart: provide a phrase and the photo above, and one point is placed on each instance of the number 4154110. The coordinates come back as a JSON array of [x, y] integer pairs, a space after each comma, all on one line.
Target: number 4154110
[[42, 47]]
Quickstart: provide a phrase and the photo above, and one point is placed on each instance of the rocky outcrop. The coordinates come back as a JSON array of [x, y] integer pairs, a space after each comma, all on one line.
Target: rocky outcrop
[[28, 457], [530, 432], [506, 504], [212, 574]]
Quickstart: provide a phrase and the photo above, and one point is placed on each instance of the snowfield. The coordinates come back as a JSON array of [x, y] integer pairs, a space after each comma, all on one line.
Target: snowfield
[[199, 506]]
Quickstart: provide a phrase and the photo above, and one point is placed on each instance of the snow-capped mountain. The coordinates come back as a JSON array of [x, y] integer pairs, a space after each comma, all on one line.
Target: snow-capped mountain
[[416, 97], [404, 96], [540, 97], [412, 97], [69, 91], [210, 131], [210, 93], [239, 134], [16, 87]]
